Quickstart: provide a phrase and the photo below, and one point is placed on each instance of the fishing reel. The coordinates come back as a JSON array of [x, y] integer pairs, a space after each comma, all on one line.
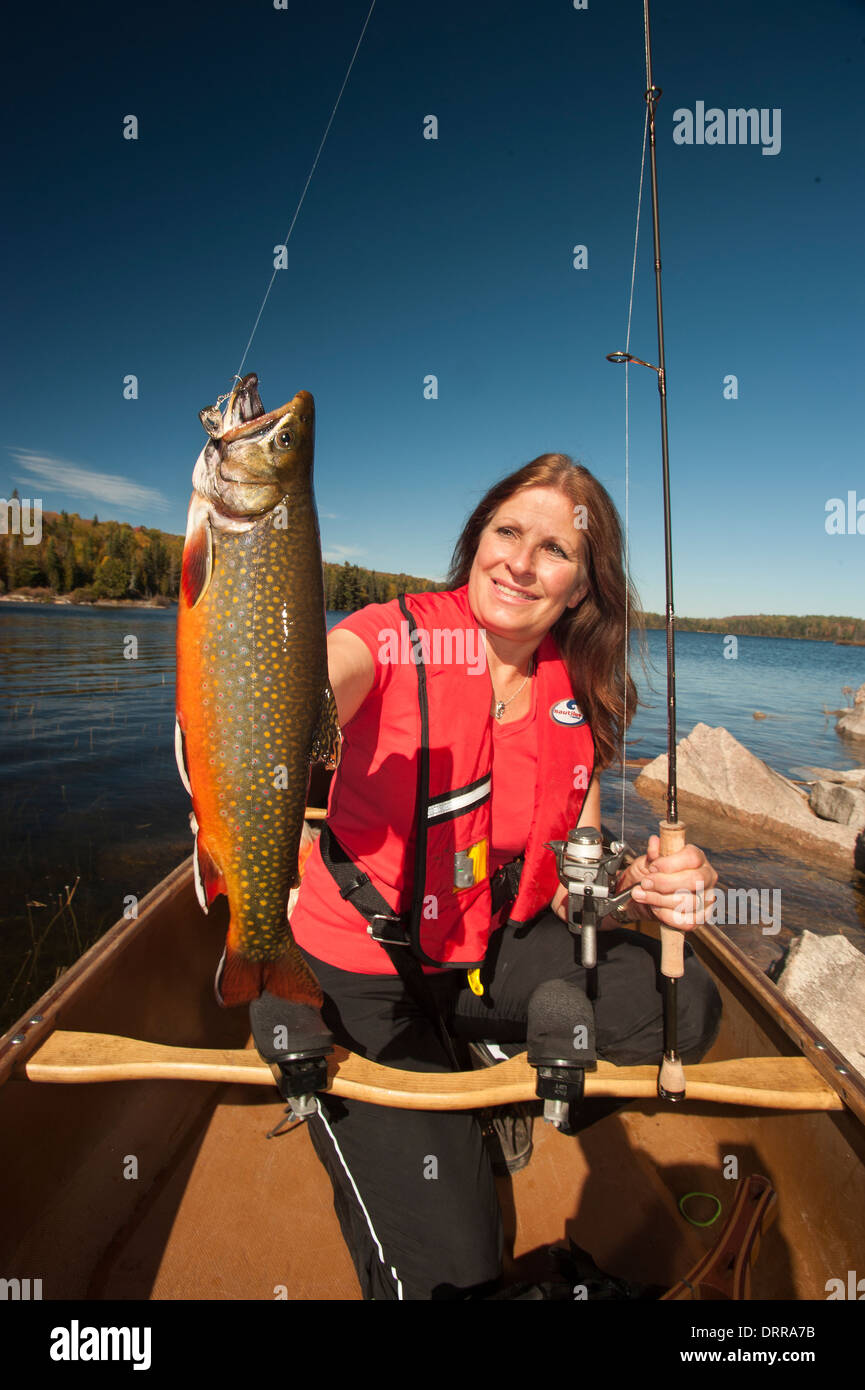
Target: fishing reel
[[561, 1022], [589, 873]]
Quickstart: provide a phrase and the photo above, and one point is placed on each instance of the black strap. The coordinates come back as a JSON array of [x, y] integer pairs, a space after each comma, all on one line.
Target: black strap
[[423, 796], [388, 929], [505, 883]]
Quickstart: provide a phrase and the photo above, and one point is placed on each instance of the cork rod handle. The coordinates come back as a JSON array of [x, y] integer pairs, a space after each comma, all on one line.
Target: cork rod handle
[[673, 837]]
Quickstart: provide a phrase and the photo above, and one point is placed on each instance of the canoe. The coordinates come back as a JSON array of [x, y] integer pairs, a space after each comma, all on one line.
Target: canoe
[[154, 1188]]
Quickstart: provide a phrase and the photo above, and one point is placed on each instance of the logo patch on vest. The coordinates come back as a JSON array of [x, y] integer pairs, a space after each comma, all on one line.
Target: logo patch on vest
[[567, 712]]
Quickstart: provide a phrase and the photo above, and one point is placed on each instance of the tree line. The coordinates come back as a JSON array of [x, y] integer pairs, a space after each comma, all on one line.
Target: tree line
[[92, 559], [816, 627], [87, 560]]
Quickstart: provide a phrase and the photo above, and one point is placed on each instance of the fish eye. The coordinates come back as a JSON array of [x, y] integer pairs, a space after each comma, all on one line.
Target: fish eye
[[285, 439]]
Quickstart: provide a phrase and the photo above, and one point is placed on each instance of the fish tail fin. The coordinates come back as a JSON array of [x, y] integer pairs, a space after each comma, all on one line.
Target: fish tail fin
[[291, 978], [239, 980]]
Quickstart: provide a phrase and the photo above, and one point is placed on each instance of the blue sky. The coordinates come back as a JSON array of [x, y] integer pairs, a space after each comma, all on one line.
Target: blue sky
[[452, 257]]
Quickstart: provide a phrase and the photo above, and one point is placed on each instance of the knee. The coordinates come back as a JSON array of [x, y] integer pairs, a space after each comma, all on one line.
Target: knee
[[699, 1010]]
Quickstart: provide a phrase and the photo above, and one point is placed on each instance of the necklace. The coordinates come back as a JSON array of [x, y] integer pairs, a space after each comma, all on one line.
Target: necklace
[[500, 705]]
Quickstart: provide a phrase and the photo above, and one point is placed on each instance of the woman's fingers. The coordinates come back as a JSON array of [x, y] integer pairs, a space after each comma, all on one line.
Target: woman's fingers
[[683, 909], [678, 888]]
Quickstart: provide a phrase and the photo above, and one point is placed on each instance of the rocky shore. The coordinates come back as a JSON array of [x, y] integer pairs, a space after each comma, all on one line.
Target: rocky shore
[[851, 723], [63, 600], [821, 820], [823, 817]]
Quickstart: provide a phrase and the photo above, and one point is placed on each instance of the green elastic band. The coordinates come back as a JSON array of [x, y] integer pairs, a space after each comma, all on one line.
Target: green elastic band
[[711, 1198]]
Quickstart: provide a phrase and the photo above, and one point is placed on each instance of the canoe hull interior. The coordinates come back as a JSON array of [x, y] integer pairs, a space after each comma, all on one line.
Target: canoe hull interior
[[171, 1190]]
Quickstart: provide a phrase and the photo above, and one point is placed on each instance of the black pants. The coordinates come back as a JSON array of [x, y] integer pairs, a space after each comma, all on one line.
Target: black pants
[[413, 1189]]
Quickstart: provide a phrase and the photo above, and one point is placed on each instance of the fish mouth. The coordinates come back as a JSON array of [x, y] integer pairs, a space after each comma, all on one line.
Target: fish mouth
[[252, 455], [245, 416], [244, 404]]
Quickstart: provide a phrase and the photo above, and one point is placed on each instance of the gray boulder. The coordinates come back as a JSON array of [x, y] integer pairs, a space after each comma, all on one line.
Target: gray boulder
[[852, 722], [719, 775], [834, 801], [824, 976]]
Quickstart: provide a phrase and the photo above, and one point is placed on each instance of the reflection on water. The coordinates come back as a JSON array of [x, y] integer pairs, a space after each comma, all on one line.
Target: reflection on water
[[92, 804]]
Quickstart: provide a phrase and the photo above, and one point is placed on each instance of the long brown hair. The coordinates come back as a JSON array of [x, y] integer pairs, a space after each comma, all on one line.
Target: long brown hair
[[590, 637]]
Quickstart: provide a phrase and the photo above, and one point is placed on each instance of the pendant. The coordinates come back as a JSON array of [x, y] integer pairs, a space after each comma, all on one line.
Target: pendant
[[499, 709]]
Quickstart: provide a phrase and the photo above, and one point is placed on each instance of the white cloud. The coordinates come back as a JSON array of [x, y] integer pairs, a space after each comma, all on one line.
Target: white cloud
[[71, 478], [337, 553]]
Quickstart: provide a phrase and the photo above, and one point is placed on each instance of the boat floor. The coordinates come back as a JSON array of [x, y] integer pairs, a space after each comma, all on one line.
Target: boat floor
[[218, 1211], [237, 1216]]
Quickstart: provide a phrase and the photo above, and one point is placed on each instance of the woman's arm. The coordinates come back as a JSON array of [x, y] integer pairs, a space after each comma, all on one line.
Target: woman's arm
[[351, 670]]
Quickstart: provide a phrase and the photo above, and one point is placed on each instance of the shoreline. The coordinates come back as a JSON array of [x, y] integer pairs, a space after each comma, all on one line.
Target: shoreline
[[61, 601]]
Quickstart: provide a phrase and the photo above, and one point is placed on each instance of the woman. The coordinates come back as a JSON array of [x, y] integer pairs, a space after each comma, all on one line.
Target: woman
[[463, 704]]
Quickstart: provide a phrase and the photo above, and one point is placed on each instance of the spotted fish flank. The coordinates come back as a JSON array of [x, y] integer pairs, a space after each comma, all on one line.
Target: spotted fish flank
[[254, 705]]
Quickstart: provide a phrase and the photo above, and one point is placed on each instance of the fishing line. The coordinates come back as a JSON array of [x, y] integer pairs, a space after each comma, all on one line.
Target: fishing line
[[287, 238], [628, 467]]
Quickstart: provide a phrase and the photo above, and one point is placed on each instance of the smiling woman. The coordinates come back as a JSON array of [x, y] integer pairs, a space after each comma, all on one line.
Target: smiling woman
[[435, 853]]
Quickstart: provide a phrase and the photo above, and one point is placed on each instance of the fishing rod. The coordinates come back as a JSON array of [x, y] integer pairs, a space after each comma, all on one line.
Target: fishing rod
[[671, 1077]]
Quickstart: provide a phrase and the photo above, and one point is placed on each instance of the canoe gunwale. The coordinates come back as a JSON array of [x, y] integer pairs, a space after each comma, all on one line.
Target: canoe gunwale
[[49, 1007], [832, 1065]]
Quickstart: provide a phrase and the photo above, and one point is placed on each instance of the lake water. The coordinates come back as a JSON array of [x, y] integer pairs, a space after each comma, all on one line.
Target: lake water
[[94, 812]]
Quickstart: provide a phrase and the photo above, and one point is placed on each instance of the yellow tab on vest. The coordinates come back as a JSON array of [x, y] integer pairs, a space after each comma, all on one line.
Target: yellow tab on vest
[[474, 977], [470, 866], [478, 855]]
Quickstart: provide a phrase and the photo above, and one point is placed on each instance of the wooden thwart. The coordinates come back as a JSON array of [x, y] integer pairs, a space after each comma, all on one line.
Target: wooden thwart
[[775, 1083]]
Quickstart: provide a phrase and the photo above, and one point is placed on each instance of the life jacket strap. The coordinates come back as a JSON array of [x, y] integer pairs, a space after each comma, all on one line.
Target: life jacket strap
[[389, 929]]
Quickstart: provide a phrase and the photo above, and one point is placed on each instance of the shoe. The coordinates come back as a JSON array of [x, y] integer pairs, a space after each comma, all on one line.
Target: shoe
[[507, 1129], [507, 1132]]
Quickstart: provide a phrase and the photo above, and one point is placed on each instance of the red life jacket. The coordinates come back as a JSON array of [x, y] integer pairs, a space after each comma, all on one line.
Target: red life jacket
[[452, 915]]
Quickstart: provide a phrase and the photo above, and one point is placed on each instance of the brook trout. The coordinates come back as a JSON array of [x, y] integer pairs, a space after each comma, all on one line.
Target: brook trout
[[254, 706]]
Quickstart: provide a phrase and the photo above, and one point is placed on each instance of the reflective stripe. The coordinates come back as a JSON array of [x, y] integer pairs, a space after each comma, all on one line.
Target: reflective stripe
[[323, 1119], [460, 800]]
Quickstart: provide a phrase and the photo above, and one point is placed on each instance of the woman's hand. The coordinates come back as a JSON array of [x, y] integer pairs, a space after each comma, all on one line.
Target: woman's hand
[[675, 890]]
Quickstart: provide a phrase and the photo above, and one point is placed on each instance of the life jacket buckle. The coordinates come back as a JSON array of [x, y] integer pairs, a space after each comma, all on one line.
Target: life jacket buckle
[[388, 931]]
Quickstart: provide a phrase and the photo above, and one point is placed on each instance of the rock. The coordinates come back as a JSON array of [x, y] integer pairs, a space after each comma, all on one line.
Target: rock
[[851, 777], [853, 722], [839, 803], [716, 772], [825, 977], [859, 852]]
